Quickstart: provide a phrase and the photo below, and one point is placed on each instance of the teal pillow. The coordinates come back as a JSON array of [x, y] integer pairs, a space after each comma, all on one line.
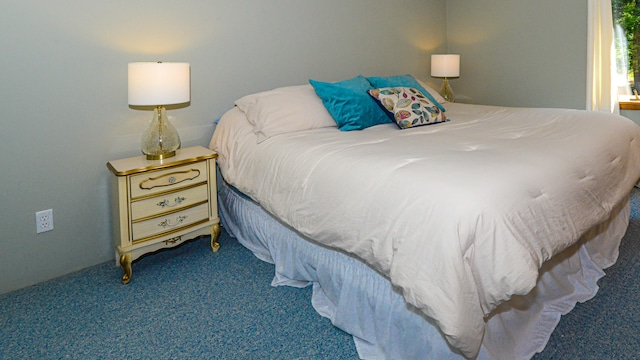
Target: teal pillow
[[402, 81], [349, 103]]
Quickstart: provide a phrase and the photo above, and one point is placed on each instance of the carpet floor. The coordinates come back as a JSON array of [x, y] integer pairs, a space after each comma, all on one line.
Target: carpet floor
[[188, 303]]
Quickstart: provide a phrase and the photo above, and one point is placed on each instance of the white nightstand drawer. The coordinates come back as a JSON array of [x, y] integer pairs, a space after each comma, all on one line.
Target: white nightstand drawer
[[166, 180], [170, 222], [168, 202]]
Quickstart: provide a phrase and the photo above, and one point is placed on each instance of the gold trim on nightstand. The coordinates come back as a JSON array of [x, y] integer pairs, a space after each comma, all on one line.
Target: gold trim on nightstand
[[169, 179], [140, 164], [168, 212], [162, 203], [168, 232], [215, 233], [168, 192], [125, 263]]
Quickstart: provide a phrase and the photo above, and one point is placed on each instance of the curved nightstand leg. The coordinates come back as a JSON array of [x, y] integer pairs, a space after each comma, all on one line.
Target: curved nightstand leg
[[125, 263], [215, 232]]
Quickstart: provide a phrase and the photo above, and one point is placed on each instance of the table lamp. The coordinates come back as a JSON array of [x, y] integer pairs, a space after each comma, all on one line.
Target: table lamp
[[445, 66], [158, 84]]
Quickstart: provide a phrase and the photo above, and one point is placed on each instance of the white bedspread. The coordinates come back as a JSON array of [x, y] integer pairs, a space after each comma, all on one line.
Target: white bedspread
[[459, 216]]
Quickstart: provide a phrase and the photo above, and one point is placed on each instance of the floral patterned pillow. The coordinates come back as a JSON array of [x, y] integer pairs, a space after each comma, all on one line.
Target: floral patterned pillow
[[409, 107]]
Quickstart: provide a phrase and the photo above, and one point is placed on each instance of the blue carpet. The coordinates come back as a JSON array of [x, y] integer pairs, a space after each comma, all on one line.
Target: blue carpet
[[607, 326], [189, 303]]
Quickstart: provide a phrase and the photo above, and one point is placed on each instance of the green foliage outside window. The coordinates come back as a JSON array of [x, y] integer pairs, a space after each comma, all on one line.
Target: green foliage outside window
[[626, 14]]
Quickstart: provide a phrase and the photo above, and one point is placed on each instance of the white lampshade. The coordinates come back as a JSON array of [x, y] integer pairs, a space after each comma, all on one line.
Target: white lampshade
[[158, 83], [445, 65]]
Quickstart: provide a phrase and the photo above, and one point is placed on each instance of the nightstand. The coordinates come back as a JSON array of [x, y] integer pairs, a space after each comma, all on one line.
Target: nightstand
[[162, 203]]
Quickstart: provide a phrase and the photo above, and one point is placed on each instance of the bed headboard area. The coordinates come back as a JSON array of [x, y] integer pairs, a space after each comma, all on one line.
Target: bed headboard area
[[288, 42]]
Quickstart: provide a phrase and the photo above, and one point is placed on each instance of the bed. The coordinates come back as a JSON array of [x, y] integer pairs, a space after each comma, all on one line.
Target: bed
[[466, 238]]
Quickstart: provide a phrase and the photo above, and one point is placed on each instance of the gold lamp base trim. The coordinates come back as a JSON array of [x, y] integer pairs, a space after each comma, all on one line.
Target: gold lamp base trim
[[161, 156]]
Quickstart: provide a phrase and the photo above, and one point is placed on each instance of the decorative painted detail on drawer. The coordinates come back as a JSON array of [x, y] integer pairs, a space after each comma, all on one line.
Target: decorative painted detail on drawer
[[167, 223], [173, 240], [170, 179], [165, 202]]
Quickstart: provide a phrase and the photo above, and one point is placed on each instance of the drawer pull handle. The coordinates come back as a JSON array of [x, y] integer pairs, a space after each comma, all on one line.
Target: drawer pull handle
[[177, 201], [167, 222], [169, 179]]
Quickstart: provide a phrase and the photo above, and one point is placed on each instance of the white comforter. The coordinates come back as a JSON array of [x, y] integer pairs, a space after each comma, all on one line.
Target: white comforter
[[459, 216]]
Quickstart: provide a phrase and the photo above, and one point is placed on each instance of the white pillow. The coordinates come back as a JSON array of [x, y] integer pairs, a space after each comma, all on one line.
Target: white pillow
[[436, 95], [284, 110]]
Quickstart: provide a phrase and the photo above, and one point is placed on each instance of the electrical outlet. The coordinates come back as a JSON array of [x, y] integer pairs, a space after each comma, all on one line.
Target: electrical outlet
[[44, 221]]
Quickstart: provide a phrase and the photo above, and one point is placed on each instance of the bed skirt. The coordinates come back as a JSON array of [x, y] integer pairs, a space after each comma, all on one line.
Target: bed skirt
[[363, 303]]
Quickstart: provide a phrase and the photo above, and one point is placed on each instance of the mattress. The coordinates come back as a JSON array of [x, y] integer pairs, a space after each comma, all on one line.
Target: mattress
[[362, 302], [483, 200]]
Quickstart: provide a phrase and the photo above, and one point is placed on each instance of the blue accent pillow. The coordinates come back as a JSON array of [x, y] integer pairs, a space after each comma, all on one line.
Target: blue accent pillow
[[402, 81], [349, 103]]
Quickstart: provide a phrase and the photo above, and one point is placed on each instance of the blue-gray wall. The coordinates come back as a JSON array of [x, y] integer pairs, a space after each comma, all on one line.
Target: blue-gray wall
[[520, 53], [63, 94], [632, 114]]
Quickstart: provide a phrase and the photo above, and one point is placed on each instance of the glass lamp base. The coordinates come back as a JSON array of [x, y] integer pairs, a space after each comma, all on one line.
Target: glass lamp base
[[160, 140], [446, 91]]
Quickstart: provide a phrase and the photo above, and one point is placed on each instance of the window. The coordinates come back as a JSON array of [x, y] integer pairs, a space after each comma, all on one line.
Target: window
[[626, 20]]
